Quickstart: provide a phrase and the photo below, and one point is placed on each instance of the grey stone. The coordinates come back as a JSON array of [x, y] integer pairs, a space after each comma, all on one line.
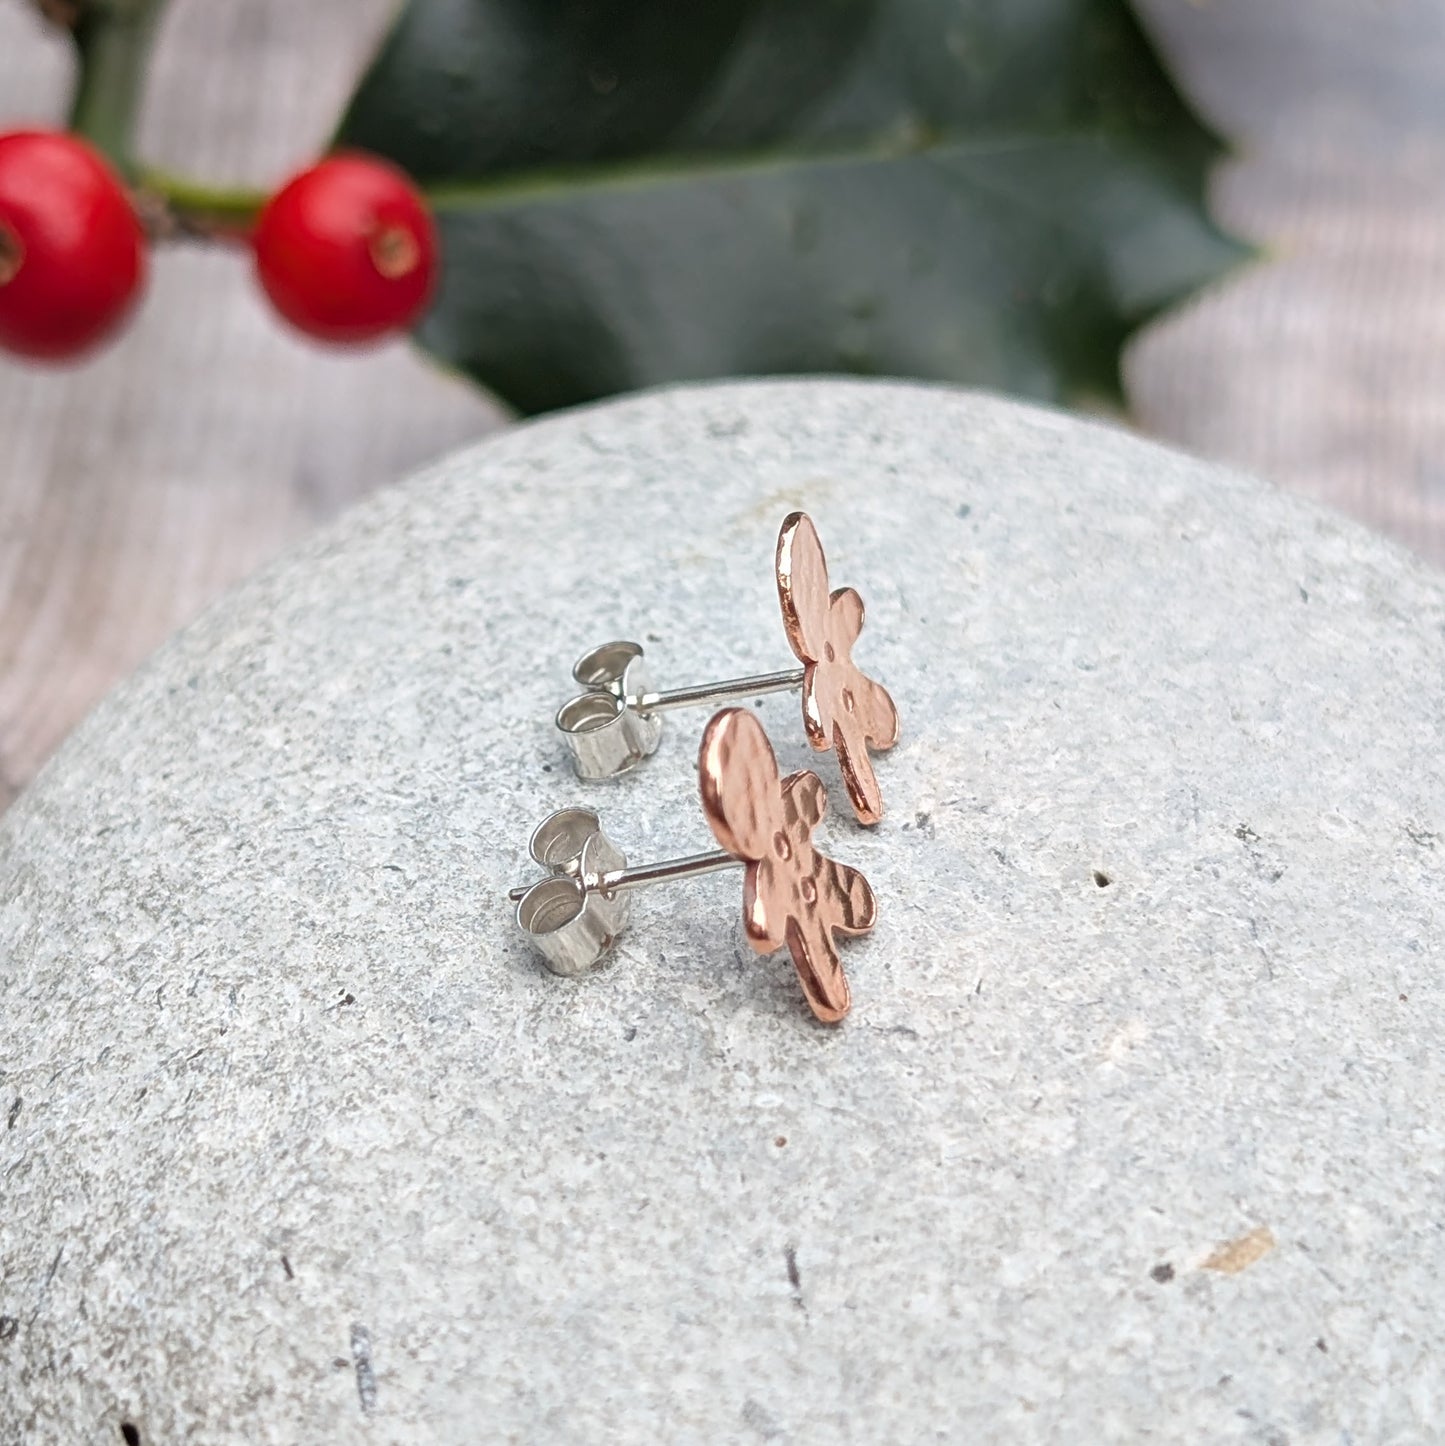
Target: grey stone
[[1135, 1131]]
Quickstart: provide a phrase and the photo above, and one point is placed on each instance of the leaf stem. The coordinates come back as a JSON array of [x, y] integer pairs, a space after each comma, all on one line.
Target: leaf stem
[[113, 41]]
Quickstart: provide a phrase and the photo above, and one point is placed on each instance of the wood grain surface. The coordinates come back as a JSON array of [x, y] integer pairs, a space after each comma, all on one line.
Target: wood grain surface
[[135, 489]]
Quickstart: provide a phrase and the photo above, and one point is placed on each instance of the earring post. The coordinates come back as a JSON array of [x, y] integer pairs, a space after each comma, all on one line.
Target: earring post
[[715, 693], [619, 881]]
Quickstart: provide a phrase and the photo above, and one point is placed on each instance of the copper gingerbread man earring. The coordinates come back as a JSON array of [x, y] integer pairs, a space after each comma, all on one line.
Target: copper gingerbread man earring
[[617, 722], [792, 894]]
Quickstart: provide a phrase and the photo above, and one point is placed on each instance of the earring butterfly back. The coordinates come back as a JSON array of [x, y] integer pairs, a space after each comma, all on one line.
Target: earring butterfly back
[[617, 722]]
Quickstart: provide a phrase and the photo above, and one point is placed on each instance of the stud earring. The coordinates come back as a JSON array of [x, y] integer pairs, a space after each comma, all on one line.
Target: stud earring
[[792, 893], [616, 722]]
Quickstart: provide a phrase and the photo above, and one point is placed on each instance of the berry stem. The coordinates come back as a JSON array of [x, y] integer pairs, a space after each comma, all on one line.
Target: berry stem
[[174, 206], [113, 41]]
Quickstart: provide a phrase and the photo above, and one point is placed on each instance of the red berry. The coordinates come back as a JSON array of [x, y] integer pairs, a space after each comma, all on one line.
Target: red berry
[[72, 253], [347, 250]]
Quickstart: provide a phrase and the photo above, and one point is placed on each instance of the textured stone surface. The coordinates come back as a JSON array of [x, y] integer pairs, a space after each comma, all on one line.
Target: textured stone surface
[[1135, 1130]]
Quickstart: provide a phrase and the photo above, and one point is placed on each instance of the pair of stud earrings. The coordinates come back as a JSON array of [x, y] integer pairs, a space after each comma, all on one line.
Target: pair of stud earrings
[[793, 895]]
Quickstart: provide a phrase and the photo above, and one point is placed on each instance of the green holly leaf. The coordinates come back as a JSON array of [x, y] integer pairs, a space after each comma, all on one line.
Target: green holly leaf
[[630, 192]]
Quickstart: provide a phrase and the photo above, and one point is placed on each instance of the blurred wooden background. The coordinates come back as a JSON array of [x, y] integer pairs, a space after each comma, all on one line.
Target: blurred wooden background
[[136, 489]]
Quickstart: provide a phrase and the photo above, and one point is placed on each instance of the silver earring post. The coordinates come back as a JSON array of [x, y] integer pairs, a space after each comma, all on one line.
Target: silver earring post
[[618, 881], [574, 914], [614, 725], [714, 695]]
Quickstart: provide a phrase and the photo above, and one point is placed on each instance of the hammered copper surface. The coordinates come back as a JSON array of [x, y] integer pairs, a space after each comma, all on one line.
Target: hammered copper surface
[[843, 708], [793, 894]]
